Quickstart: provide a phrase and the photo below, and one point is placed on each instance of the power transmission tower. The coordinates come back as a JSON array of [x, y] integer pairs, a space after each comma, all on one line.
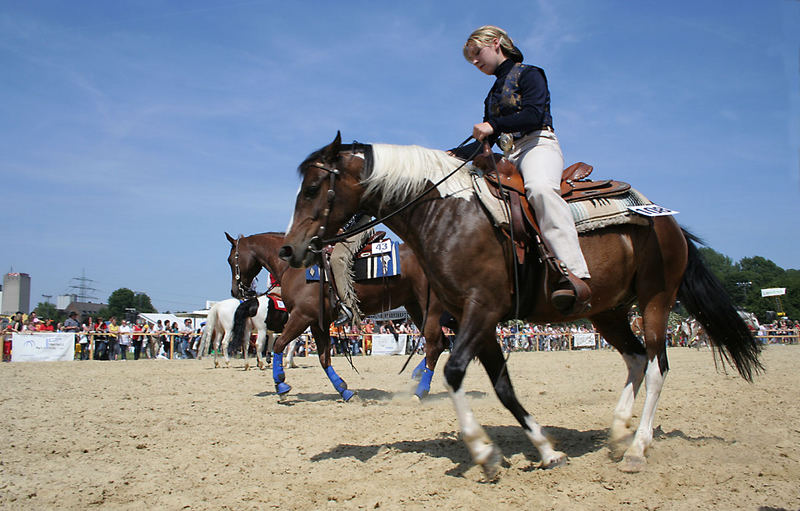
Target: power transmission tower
[[82, 288]]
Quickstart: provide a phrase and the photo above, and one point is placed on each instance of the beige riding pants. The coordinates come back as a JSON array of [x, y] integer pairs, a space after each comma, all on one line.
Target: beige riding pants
[[538, 158]]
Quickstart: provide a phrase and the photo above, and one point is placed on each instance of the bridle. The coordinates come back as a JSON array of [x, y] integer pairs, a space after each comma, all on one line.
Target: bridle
[[243, 291], [315, 244]]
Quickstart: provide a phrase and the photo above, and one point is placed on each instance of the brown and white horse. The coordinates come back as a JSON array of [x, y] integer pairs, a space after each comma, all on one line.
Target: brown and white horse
[[470, 269]]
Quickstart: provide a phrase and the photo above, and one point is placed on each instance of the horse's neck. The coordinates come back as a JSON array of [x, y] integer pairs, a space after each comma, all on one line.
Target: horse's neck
[[266, 251]]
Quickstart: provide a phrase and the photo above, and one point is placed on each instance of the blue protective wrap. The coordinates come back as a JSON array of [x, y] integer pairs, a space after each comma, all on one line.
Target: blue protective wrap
[[416, 374], [339, 384], [424, 383], [278, 376]]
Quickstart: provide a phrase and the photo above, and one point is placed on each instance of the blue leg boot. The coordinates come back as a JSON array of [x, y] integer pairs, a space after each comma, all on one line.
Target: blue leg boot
[[424, 383], [416, 374], [339, 384], [278, 376]]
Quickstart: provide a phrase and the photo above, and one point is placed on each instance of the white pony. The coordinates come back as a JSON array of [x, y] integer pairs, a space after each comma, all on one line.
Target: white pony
[[219, 328]]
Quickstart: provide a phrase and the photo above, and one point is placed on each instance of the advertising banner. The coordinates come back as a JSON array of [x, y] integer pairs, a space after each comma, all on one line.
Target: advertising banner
[[583, 340], [42, 347], [773, 291], [384, 344]]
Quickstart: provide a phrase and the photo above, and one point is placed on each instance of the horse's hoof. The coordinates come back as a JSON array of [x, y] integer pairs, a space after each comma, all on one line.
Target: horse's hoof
[[415, 398], [491, 467], [558, 459], [632, 464], [618, 444], [347, 394], [282, 388]]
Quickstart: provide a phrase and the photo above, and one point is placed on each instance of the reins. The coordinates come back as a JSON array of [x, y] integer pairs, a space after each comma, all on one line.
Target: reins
[[332, 195]]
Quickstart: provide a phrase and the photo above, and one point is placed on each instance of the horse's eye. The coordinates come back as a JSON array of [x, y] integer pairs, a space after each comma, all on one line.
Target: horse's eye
[[311, 191]]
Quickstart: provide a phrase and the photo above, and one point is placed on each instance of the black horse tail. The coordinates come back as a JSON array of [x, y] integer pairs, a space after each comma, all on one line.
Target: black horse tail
[[703, 295], [246, 310]]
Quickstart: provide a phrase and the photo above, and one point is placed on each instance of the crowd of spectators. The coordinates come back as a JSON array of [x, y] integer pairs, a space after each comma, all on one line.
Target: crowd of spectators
[[113, 339], [119, 340]]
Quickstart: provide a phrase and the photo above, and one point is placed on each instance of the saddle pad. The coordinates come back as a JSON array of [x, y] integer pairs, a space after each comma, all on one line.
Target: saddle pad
[[588, 215], [381, 261], [277, 302]]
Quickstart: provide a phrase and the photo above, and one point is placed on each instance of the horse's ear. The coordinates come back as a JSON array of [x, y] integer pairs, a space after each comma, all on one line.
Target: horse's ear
[[331, 152], [230, 238]]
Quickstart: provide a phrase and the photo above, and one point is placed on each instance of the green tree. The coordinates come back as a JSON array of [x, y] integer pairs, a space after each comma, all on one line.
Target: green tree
[[142, 303], [46, 310], [123, 299], [744, 280]]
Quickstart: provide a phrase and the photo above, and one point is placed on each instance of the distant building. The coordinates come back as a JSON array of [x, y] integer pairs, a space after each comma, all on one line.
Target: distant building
[[16, 293], [63, 301], [85, 309]]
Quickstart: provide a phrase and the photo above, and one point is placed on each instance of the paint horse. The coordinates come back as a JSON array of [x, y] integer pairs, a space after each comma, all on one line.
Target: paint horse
[[470, 267], [218, 331], [249, 254]]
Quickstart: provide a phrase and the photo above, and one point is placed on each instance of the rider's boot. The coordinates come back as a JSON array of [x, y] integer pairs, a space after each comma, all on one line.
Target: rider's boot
[[345, 314], [572, 296]]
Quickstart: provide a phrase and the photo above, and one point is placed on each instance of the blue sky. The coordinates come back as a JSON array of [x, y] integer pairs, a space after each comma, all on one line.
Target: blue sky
[[135, 133]]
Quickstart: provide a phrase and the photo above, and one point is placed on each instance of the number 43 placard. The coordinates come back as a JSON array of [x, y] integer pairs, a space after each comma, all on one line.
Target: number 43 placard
[[652, 210]]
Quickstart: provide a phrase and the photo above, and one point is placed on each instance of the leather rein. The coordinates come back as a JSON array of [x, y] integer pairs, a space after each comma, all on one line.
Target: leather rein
[[316, 242]]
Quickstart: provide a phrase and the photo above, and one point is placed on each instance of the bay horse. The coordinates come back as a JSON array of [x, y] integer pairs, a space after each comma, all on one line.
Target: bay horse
[[470, 269], [249, 254]]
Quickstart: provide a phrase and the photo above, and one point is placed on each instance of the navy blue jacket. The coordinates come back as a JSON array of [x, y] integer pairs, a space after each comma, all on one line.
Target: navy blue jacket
[[517, 103]]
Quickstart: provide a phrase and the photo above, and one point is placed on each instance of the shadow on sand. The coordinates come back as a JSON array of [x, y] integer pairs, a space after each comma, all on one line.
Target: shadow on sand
[[510, 439]]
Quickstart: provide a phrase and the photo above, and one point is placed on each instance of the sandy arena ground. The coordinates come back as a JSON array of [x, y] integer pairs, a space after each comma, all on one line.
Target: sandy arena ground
[[182, 435]]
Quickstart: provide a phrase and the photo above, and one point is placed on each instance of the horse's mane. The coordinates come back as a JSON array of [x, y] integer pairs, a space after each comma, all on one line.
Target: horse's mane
[[400, 173]]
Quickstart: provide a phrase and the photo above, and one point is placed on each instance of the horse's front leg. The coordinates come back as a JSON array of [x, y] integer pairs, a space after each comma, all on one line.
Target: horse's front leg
[[491, 356], [323, 340], [481, 448], [295, 325]]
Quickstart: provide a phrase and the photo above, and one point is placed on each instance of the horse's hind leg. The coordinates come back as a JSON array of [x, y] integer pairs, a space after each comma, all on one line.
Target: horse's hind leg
[[290, 353], [434, 344], [260, 340], [614, 327]]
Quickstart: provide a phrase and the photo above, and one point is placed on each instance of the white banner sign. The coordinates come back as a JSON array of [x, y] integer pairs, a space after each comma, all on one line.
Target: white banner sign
[[384, 344], [773, 291], [583, 340], [652, 210], [42, 347]]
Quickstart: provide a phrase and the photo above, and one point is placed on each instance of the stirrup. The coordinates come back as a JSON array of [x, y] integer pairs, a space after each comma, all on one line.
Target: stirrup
[[345, 315], [572, 298]]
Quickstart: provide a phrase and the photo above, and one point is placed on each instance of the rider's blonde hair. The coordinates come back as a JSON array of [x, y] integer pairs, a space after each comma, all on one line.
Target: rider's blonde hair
[[486, 35]]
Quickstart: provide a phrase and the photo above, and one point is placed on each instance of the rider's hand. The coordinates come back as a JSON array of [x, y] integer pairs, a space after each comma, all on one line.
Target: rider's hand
[[482, 130]]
